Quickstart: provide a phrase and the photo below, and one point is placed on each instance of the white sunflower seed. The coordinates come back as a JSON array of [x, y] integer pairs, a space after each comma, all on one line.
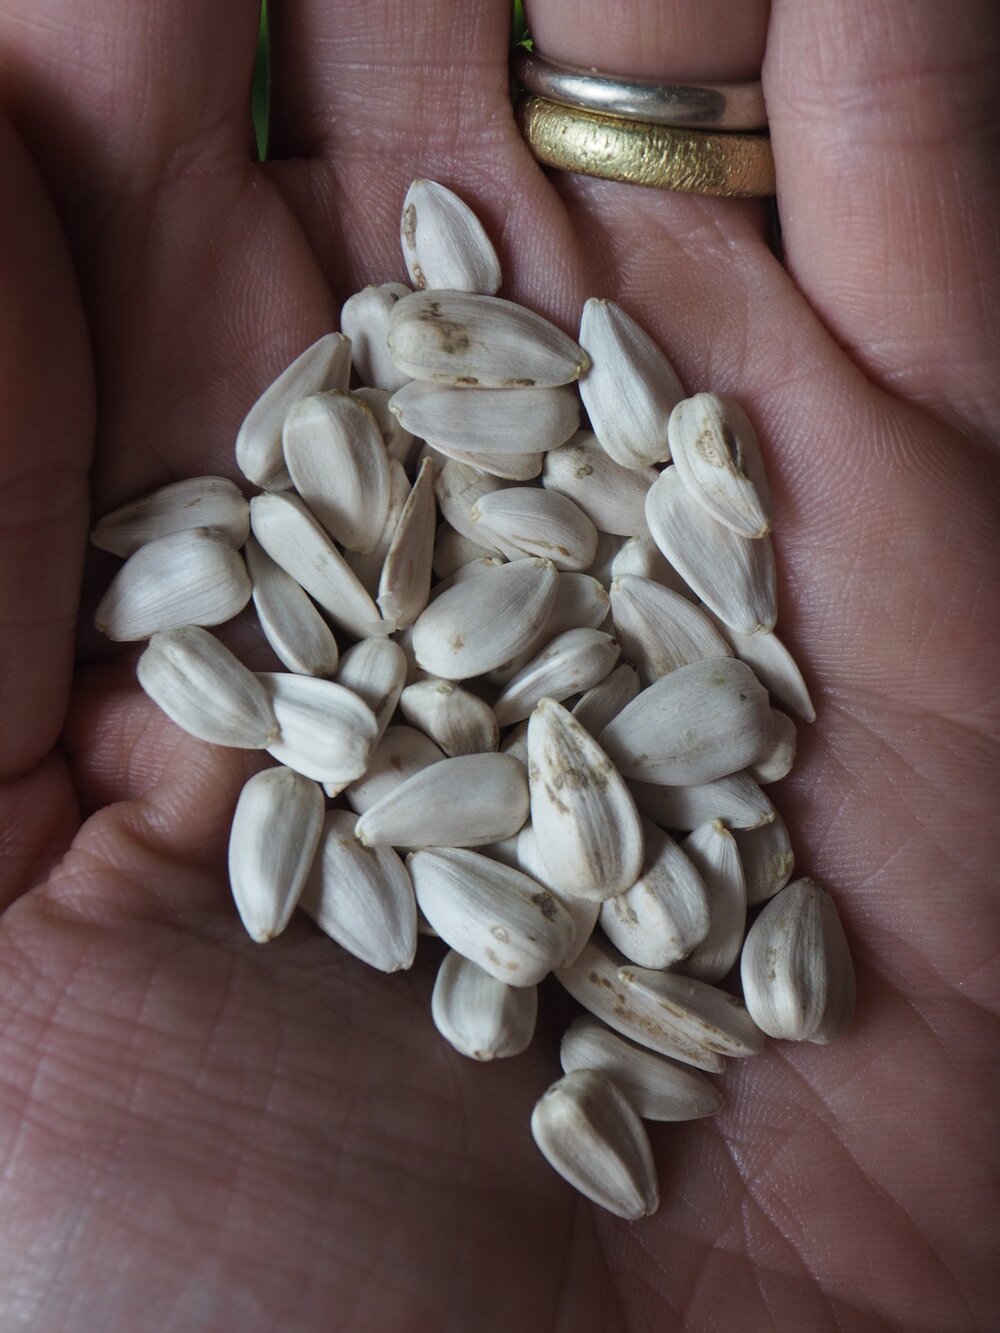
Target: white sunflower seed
[[642, 557], [186, 578], [583, 911], [202, 687], [275, 830], [736, 801], [327, 732], [458, 487], [659, 629], [664, 914], [294, 539], [776, 763], [510, 421], [375, 670], [631, 387], [456, 720], [613, 497], [798, 978], [463, 338], [715, 451], [588, 829], [368, 567], [605, 700], [714, 853], [773, 664], [654, 1086], [452, 551], [485, 620], [588, 1132], [732, 574], [398, 442], [767, 859], [500, 919], [362, 897], [509, 467], [467, 801], [364, 318], [400, 753], [708, 1016], [696, 724], [580, 603], [324, 365], [480, 1016], [525, 520], [198, 502], [337, 459], [572, 662], [300, 637], [405, 581], [444, 243]]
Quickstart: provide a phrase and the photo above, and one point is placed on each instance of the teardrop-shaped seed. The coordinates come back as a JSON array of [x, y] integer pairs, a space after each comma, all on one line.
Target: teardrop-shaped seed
[[587, 826], [642, 557], [736, 801], [187, 578], [660, 630], [452, 551], [480, 1016], [587, 1131], [405, 583], [484, 621], [275, 830], [294, 539], [657, 1088], [400, 753], [613, 497], [458, 487], [777, 760], [732, 574], [444, 243], [583, 911], [594, 981], [716, 453], [456, 720], [631, 387], [375, 670], [202, 687], [767, 859], [509, 467], [468, 801], [580, 603], [501, 920], [398, 442], [362, 897], [605, 700], [368, 567], [324, 365], [696, 724], [773, 664], [511, 421], [364, 317], [463, 338], [664, 914], [300, 637], [798, 978], [525, 520], [710, 1017], [198, 502], [337, 459], [713, 851], [327, 732], [572, 662]]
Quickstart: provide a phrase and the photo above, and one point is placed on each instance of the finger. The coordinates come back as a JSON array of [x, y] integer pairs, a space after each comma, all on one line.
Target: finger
[[883, 120]]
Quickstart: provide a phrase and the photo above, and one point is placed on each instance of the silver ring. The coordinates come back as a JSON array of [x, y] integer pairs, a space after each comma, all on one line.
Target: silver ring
[[711, 106]]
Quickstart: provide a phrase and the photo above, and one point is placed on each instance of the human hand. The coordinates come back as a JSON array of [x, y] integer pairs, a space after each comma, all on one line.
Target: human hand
[[200, 1133]]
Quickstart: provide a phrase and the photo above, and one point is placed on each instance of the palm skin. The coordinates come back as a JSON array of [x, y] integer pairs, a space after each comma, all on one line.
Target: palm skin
[[200, 1133]]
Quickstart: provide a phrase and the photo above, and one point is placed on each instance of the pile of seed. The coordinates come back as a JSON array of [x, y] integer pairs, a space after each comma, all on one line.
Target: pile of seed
[[548, 739]]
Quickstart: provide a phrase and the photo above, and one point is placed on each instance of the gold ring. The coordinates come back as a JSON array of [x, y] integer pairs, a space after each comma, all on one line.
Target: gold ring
[[661, 156]]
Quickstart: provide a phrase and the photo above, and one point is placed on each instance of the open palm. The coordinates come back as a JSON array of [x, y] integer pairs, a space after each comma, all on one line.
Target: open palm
[[200, 1133]]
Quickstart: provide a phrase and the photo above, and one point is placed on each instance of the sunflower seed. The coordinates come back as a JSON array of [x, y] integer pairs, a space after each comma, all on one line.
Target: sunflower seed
[[605, 700], [582, 911], [712, 849], [696, 724], [324, 365], [715, 451], [444, 243], [798, 978], [463, 338], [300, 637], [202, 687], [362, 897], [767, 859], [375, 670], [732, 574], [587, 1131], [631, 387], [580, 603], [480, 1016], [327, 732], [613, 497], [588, 829], [458, 487], [454, 719], [776, 763], [468, 801], [364, 318], [654, 1086], [199, 502], [186, 578], [276, 828], [773, 664], [659, 629], [368, 567], [736, 801], [642, 557], [400, 753], [337, 459], [500, 919], [405, 582], [502, 421], [708, 1016], [572, 662], [524, 520]]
